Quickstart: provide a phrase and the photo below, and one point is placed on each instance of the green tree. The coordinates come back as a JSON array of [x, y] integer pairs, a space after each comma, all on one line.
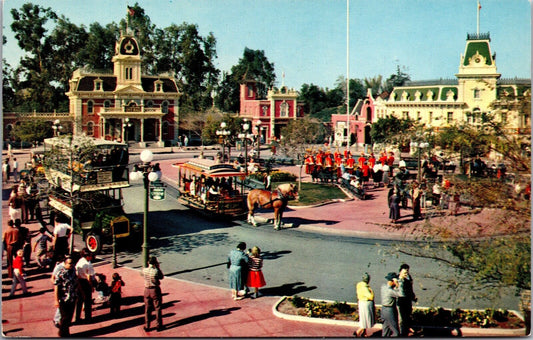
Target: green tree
[[314, 98], [391, 130], [99, 48], [397, 79], [34, 76], [299, 135], [374, 83], [67, 41], [32, 130], [253, 65]]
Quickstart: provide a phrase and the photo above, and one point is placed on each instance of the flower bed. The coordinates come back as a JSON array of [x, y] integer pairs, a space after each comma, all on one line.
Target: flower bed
[[422, 317]]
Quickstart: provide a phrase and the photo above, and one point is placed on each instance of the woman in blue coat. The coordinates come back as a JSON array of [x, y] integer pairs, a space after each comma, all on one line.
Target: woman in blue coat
[[237, 259]]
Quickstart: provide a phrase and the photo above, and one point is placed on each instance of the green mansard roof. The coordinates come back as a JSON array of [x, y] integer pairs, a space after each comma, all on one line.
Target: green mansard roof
[[478, 43]]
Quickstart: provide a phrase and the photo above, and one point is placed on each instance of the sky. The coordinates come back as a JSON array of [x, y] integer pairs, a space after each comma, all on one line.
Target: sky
[[307, 39]]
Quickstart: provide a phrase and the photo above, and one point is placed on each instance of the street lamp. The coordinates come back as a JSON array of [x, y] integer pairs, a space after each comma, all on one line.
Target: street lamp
[[223, 133], [419, 147], [128, 125], [57, 127], [245, 136], [258, 127], [145, 171]]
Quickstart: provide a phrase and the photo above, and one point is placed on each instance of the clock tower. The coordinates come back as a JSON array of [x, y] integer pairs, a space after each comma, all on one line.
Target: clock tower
[[127, 63], [478, 75]]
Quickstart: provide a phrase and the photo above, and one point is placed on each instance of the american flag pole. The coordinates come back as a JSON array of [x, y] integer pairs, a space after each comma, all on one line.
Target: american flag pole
[[478, 10]]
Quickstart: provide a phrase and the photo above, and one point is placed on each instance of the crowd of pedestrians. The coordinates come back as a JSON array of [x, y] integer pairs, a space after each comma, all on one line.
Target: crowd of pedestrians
[[397, 297]]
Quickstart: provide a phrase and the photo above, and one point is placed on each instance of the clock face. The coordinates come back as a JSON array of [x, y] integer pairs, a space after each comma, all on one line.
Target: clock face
[[129, 46]]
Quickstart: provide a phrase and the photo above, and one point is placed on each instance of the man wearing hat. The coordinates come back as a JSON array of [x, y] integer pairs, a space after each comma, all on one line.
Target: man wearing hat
[[152, 293], [389, 313]]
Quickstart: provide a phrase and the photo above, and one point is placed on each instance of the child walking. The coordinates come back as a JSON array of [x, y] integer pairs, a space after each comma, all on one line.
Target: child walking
[[115, 299], [18, 274], [256, 279]]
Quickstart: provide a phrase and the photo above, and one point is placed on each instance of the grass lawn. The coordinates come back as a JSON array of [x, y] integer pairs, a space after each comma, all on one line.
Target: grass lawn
[[315, 193]]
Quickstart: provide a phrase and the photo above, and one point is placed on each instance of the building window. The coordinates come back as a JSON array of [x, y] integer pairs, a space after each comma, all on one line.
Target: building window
[[98, 86], [90, 107], [430, 117], [165, 129], [504, 117], [250, 91], [107, 103], [449, 118], [264, 111], [90, 129], [284, 110], [149, 103], [129, 73], [477, 94], [405, 114], [164, 107], [418, 115]]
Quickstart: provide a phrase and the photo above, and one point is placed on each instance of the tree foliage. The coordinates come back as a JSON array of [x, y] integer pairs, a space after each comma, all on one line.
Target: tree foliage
[[300, 135], [253, 65], [391, 130], [32, 130], [55, 47]]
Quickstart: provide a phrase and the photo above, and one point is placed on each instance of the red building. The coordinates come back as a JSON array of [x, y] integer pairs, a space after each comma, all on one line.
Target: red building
[[360, 123], [269, 115], [124, 104]]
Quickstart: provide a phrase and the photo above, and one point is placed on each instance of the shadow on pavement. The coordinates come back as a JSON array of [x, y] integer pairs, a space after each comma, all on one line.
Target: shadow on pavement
[[297, 221], [211, 314], [288, 289], [119, 325]]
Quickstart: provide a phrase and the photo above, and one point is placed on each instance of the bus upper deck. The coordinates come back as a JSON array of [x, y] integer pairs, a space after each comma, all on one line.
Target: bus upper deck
[[85, 164]]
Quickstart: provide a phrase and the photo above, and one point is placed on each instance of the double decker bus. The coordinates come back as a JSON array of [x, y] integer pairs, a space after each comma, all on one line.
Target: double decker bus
[[86, 178]]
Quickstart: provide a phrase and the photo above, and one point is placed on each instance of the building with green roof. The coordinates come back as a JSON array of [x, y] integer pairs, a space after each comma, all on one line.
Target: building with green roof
[[476, 90]]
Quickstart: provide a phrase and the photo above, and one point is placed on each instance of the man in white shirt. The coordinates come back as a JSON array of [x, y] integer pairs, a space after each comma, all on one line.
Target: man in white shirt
[[15, 170], [60, 240], [85, 272]]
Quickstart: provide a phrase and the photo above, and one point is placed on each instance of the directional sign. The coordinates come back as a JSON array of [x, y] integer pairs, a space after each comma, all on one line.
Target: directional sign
[[157, 191]]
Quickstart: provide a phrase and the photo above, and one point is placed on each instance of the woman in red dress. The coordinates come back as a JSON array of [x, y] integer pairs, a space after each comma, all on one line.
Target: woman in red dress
[[256, 279]]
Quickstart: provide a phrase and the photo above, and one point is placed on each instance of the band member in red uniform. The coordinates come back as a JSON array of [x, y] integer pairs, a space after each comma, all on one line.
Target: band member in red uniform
[[350, 162]]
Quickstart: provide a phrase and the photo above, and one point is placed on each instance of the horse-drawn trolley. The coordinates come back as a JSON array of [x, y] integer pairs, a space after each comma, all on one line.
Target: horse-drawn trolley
[[211, 188]]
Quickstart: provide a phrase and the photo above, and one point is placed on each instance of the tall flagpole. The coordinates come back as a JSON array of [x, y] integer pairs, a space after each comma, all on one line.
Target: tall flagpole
[[348, 74], [478, 8]]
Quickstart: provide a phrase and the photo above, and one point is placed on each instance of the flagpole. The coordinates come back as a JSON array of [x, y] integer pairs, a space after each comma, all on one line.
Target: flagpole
[[478, 8], [347, 74]]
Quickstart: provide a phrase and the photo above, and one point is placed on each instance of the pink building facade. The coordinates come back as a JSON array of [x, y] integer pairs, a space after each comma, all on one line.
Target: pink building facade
[[359, 121], [268, 116]]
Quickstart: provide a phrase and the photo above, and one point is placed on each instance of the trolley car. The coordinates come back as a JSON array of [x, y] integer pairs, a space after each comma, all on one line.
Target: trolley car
[[211, 188]]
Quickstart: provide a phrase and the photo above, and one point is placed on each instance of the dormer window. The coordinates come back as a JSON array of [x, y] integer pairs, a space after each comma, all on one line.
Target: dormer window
[[158, 86], [98, 85]]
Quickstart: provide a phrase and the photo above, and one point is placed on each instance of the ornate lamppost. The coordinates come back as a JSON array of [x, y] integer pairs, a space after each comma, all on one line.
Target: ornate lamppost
[[57, 127], [146, 171], [419, 146], [128, 125], [259, 135], [245, 135], [223, 133]]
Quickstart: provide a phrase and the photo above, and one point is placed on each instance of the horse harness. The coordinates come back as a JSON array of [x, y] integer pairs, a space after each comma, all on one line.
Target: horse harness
[[281, 197]]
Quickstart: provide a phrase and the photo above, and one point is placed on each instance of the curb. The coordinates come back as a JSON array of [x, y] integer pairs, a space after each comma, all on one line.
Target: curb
[[462, 331]]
